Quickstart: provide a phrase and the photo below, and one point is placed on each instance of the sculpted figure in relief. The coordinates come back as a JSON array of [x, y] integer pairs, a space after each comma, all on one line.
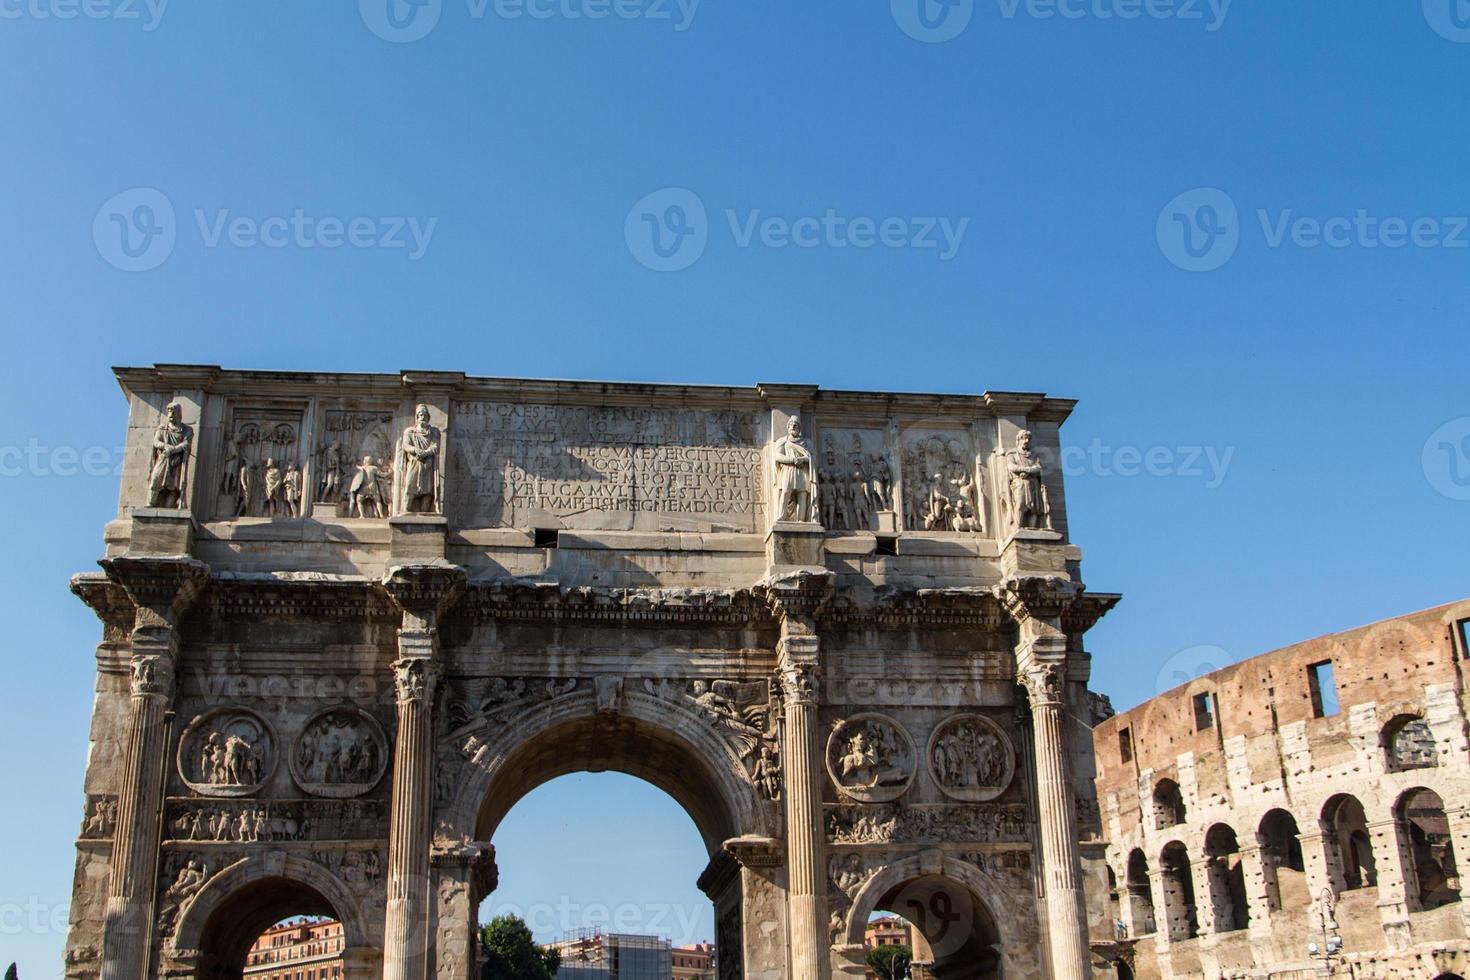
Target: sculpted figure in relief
[[292, 491], [419, 464], [796, 477], [171, 444], [1029, 507], [366, 492], [331, 488], [868, 760]]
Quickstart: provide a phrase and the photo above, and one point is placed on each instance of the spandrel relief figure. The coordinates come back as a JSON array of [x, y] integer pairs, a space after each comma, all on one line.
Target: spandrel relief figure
[[796, 476], [1028, 504], [365, 495], [171, 443], [418, 454]]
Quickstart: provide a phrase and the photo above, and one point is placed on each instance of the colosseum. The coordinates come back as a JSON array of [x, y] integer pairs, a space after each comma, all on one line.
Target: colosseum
[[1296, 814]]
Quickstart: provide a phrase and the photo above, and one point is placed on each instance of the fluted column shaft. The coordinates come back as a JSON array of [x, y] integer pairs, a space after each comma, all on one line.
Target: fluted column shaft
[[1061, 859], [406, 932], [128, 924], [805, 826]]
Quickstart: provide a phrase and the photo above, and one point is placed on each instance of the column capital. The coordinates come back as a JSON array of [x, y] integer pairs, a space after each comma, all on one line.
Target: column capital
[[799, 682], [415, 679], [475, 857], [1038, 597], [1045, 682]]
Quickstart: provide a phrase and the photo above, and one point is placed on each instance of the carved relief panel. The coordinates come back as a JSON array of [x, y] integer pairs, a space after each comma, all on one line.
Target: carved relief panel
[[354, 462], [261, 463], [971, 758], [941, 482], [871, 758], [606, 467], [227, 752], [340, 753], [856, 482]]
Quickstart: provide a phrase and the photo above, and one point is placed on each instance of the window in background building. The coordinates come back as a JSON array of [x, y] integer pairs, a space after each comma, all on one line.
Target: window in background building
[[1125, 744]]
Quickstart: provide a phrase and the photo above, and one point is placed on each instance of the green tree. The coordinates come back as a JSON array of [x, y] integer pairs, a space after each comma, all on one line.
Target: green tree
[[11, 973], [511, 953], [890, 962]]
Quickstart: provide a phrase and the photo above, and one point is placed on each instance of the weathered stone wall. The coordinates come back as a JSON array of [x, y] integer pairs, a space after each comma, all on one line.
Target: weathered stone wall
[[350, 620], [1298, 823]]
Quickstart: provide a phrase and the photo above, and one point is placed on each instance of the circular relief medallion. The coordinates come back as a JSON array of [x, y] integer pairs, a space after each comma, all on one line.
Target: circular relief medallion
[[971, 758], [342, 752], [227, 752], [871, 758]]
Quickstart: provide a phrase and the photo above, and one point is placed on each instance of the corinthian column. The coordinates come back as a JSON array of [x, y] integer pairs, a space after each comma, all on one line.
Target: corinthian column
[[796, 602], [1060, 860], [161, 590], [423, 593], [1038, 604]]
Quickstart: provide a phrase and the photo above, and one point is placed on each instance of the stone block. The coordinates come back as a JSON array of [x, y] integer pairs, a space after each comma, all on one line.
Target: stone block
[[157, 532], [417, 537], [793, 545]]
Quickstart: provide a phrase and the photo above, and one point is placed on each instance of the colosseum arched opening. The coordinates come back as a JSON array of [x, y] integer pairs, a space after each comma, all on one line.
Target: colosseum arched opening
[[1138, 907], [1281, 860], [1181, 919], [1225, 885], [1169, 810], [1431, 877], [1349, 846]]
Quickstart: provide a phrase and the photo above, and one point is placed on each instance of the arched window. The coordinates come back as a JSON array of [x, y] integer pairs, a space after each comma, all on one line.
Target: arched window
[[1180, 917], [1281, 861], [1347, 841], [1140, 906], [1225, 889], [1168, 804], [1430, 875], [1408, 743]]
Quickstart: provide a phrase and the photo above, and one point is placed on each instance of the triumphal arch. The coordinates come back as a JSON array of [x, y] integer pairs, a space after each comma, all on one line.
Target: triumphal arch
[[349, 620]]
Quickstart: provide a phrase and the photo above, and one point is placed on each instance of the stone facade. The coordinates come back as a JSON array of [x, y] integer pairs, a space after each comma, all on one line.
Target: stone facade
[[350, 620], [1298, 813]]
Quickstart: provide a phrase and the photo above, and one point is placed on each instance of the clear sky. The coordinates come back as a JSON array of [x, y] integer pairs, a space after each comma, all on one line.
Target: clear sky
[[1233, 230]]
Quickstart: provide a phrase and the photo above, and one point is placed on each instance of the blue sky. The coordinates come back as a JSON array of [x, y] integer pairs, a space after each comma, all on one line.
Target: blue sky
[[1082, 164]]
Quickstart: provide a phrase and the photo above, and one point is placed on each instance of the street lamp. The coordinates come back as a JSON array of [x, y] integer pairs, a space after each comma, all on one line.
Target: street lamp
[[1329, 951]]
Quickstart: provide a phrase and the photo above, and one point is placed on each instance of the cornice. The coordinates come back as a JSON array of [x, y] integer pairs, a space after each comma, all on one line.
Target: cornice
[[908, 608], [520, 600]]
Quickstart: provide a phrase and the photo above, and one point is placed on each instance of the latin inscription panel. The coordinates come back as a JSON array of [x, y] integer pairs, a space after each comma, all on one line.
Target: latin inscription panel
[[606, 467]]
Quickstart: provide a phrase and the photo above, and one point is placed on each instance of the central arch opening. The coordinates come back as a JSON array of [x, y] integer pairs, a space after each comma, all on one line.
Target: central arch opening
[[603, 867], [606, 815]]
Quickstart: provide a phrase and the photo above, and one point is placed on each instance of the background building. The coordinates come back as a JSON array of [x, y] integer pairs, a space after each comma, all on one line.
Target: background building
[[1301, 811], [889, 930], [614, 956], [695, 962], [309, 949]]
